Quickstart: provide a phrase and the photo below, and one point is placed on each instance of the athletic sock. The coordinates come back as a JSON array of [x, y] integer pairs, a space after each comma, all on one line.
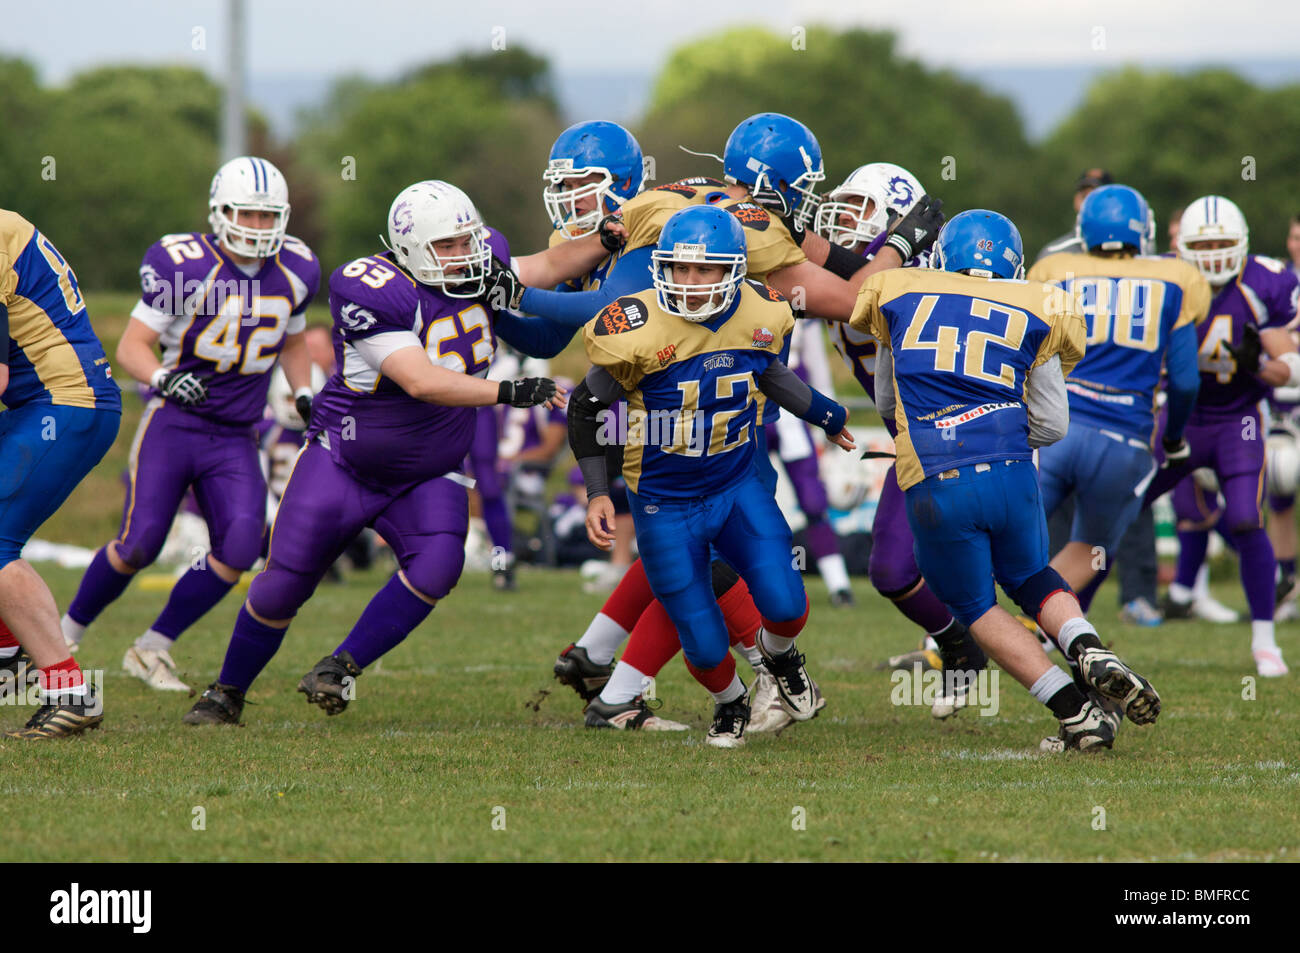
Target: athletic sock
[[602, 639], [732, 692], [717, 679], [924, 608], [391, 616], [653, 642], [99, 586], [625, 684], [154, 641], [252, 645], [1181, 594], [194, 594], [1192, 544], [62, 682], [497, 518], [1255, 557], [1057, 691], [834, 572], [1262, 635], [1076, 635], [630, 597]]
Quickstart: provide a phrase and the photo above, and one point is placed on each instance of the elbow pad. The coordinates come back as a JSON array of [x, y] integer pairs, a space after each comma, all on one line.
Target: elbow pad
[[1292, 360], [584, 422]]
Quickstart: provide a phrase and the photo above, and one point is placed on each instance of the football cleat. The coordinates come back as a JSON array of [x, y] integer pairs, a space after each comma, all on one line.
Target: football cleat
[[155, 668], [1140, 612], [629, 716], [13, 670], [503, 580], [331, 683], [1269, 664], [1092, 728], [928, 659], [795, 689], [841, 598], [766, 711], [1286, 591], [218, 705], [962, 663], [69, 717], [729, 721], [575, 669], [1105, 673]]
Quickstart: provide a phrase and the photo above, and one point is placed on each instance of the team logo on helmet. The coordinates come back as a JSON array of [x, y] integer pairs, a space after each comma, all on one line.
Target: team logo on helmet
[[900, 191], [403, 218]]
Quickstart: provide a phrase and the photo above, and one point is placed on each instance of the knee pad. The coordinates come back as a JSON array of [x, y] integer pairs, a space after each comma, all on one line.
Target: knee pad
[[893, 595], [142, 545], [241, 543], [279, 593], [1037, 589], [705, 657], [724, 577], [10, 551], [434, 573]]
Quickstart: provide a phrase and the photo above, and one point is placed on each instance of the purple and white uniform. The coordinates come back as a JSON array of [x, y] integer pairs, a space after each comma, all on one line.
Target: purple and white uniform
[[1226, 432], [227, 324]]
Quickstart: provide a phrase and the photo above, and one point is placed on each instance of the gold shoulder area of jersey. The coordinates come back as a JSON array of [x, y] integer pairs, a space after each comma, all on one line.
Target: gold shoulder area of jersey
[[690, 186], [621, 316], [751, 215]]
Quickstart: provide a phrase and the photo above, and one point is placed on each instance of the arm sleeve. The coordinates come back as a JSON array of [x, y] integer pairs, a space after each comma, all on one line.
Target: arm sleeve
[[782, 385], [1046, 401], [630, 274], [885, 403], [534, 336], [1184, 379], [590, 400]]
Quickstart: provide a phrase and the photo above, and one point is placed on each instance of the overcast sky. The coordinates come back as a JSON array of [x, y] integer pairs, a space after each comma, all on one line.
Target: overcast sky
[[381, 37]]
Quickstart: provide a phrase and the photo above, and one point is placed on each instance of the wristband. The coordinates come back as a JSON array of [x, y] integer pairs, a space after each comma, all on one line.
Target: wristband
[[158, 377]]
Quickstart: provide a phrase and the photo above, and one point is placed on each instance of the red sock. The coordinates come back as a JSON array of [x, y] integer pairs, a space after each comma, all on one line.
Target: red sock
[[791, 627], [60, 676], [716, 679], [741, 614], [653, 642], [630, 598], [7, 640]]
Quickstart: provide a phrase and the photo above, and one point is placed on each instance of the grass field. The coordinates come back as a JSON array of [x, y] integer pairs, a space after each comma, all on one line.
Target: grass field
[[462, 725]]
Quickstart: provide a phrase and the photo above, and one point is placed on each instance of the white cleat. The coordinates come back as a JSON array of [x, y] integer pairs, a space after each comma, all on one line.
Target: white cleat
[[1211, 609], [1269, 664], [155, 668], [765, 705]]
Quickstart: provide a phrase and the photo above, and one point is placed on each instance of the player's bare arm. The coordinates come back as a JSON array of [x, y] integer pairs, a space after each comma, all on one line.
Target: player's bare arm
[[410, 369], [1279, 369], [137, 351]]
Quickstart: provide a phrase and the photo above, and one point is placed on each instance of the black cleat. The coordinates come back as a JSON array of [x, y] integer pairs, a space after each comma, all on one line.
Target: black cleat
[[69, 717], [629, 716], [729, 721], [14, 671], [575, 669], [843, 598], [503, 580], [331, 683], [795, 689], [218, 705], [1093, 728], [1174, 609]]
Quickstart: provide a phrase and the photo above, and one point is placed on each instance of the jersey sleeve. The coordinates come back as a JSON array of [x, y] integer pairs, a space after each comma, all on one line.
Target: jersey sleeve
[[361, 310], [613, 342], [867, 316], [645, 215], [1069, 334], [1283, 300], [172, 269], [1196, 298], [304, 269]]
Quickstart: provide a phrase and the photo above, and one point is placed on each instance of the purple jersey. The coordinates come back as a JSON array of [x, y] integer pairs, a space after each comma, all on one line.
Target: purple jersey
[[279, 446], [1264, 294], [222, 322], [373, 429], [521, 427]]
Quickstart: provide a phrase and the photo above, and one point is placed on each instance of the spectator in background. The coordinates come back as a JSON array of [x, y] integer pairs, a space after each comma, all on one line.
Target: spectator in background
[[1088, 180], [320, 346], [1175, 221]]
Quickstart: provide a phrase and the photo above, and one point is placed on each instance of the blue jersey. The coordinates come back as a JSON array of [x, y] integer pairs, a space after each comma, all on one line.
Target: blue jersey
[[54, 356], [1132, 307], [962, 347], [693, 400]]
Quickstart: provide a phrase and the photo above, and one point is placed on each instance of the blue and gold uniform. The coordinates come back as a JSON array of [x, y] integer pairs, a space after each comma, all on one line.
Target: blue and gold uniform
[[962, 349], [63, 406]]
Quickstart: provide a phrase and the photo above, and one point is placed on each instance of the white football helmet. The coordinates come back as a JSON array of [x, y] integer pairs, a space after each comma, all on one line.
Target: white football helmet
[[890, 190], [1209, 218], [248, 184], [431, 211], [279, 397], [1282, 452]]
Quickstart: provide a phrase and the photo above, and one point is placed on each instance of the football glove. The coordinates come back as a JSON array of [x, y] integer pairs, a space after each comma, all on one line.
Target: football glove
[[528, 392], [183, 387], [1176, 452], [610, 239], [1247, 354], [302, 403], [795, 228], [772, 200], [918, 229], [503, 291]]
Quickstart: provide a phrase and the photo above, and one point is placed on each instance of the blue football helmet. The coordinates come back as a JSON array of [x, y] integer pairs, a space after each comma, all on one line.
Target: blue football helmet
[[591, 148], [709, 235], [1114, 217], [981, 243], [781, 162]]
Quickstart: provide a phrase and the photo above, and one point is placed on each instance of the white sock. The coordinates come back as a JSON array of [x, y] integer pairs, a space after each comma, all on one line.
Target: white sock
[[623, 686], [729, 694], [72, 631], [602, 639], [834, 573], [1261, 635], [931, 644], [1049, 683], [751, 655], [1201, 589], [1071, 630], [775, 644], [9, 652], [1180, 593], [155, 641]]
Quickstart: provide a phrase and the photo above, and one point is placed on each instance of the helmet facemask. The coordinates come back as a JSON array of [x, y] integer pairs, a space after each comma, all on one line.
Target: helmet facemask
[[244, 240], [1217, 265], [673, 295], [562, 201], [456, 276], [866, 226]]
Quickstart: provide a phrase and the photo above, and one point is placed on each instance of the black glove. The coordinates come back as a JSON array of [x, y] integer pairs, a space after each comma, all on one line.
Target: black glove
[[1247, 354], [183, 387], [1177, 452], [503, 290], [767, 196], [611, 240], [302, 403], [795, 228], [918, 229], [528, 392]]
